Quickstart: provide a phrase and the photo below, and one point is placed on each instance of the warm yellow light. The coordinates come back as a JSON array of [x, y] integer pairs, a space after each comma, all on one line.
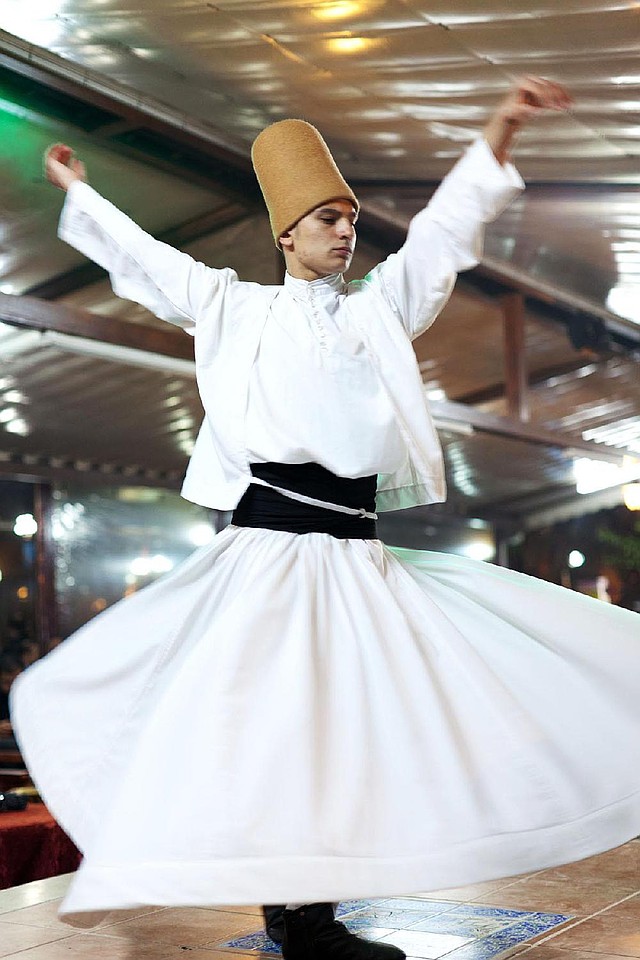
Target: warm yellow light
[[349, 44], [23, 593], [631, 496], [337, 11]]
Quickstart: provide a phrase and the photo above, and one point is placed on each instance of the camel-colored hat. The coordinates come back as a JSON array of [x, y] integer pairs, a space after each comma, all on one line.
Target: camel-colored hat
[[296, 173]]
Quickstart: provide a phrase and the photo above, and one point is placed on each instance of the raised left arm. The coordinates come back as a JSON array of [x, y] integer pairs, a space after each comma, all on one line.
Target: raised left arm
[[447, 236], [527, 100]]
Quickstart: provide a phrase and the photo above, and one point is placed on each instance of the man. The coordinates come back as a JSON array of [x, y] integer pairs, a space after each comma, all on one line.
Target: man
[[379, 686]]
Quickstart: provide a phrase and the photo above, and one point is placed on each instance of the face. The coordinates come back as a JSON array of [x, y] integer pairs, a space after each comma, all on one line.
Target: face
[[321, 243]]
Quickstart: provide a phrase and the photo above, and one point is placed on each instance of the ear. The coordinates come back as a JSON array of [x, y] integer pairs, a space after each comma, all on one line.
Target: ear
[[285, 240]]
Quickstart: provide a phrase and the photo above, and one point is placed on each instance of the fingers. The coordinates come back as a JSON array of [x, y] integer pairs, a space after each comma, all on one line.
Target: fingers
[[544, 94], [78, 167], [59, 152]]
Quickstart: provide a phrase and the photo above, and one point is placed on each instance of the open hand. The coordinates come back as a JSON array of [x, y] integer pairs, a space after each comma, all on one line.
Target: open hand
[[62, 167]]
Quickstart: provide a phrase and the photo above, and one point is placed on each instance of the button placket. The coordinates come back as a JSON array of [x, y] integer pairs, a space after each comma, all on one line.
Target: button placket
[[320, 328]]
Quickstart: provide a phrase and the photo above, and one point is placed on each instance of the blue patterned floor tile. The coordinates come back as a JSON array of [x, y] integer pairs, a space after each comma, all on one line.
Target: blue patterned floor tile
[[381, 916], [429, 929], [258, 942], [488, 947], [350, 906], [463, 926], [370, 931], [420, 906], [429, 946], [478, 910]]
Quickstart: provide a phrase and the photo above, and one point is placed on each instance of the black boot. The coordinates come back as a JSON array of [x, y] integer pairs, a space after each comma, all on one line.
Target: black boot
[[312, 933], [274, 922]]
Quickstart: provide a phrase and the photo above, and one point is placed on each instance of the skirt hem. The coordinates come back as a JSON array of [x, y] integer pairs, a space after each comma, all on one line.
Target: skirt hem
[[251, 880]]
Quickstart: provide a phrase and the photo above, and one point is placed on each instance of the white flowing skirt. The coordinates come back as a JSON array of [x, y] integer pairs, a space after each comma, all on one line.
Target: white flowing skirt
[[294, 718]]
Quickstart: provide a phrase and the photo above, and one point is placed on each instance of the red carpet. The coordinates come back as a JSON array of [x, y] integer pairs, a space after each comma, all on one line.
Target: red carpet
[[33, 847]]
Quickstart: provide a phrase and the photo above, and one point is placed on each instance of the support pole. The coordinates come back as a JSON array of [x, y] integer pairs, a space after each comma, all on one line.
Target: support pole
[[46, 613], [516, 384]]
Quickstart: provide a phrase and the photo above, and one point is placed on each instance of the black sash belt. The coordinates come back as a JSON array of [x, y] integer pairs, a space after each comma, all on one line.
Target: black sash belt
[[266, 508]]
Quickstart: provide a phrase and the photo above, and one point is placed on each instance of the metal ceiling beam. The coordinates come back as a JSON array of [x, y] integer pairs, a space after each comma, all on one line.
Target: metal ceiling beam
[[33, 469], [448, 410], [203, 226], [63, 75]]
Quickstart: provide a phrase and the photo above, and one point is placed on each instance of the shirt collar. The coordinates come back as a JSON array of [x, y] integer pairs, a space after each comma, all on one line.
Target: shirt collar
[[324, 287]]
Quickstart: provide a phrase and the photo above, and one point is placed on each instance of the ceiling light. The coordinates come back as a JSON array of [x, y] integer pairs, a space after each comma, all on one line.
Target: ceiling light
[[576, 559], [627, 256], [144, 52], [18, 426], [337, 11], [479, 550], [25, 525], [350, 44], [623, 299], [14, 396], [591, 475], [143, 566], [628, 245], [201, 534], [631, 496]]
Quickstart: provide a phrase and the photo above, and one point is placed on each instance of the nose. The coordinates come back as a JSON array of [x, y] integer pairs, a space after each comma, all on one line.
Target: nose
[[346, 229]]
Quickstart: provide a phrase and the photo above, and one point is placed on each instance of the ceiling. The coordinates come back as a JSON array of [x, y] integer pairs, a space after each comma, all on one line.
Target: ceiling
[[162, 100]]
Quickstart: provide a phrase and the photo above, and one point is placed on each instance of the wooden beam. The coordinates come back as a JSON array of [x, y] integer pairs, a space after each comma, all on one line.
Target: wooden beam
[[495, 391], [515, 367], [34, 314]]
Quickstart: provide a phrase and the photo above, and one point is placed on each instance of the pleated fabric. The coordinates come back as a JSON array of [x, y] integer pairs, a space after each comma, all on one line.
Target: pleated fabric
[[291, 718]]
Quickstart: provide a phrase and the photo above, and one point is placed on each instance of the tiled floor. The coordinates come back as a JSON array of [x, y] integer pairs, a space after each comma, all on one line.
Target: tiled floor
[[585, 911]]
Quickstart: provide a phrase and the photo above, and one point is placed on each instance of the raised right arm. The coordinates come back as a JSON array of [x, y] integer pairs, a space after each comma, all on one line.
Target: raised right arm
[[169, 283]]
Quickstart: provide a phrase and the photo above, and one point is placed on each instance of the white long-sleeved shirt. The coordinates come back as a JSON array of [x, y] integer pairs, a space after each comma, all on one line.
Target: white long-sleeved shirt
[[314, 394], [231, 319]]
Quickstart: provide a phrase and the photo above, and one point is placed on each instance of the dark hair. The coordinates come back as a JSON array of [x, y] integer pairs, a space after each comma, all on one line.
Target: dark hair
[[10, 663]]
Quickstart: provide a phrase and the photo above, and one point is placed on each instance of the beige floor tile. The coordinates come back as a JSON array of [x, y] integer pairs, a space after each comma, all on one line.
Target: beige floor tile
[[628, 909], [210, 953], [46, 915], [184, 926], [15, 937], [88, 946], [251, 911], [547, 951], [602, 934], [472, 892], [578, 898], [40, 915], [29, 894], [621, 865]]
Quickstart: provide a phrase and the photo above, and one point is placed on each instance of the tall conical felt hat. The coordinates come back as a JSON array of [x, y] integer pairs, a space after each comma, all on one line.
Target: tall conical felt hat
[[296, 173]]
